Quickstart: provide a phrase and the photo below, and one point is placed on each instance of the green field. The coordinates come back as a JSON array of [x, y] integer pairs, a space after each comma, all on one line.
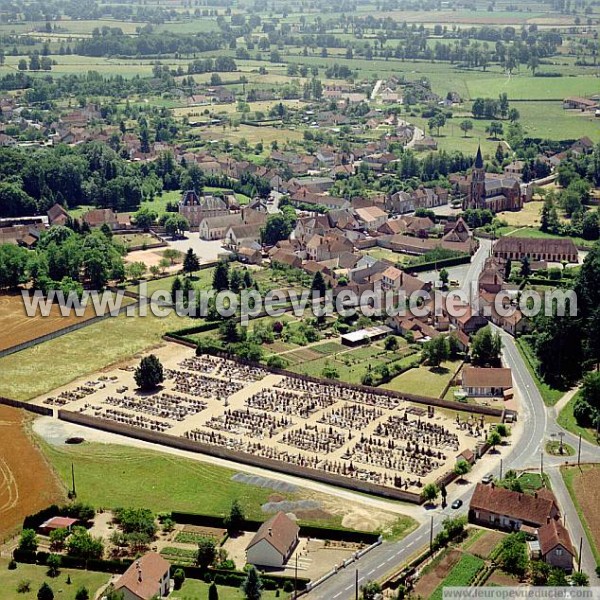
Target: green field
[[193, 589], [567, 420], [201, 280], [42, 368], [37, 575], [109, 476], [423, 380]]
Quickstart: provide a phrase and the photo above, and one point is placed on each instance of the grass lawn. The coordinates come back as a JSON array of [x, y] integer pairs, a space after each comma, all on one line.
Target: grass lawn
[[109, 476], [55, 363], [194, 589], [37, 575], [582, 483], [532, 482], [567, 420], [200, 280], [423, 380], [528, 216], [384, 254], [550, 395]]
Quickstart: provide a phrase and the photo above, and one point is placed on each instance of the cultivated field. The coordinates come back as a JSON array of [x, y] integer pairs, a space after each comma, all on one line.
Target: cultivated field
[[27, 483], [583, 483], [17, 327]]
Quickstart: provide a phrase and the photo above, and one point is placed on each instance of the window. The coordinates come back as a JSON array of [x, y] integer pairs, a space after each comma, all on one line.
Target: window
[[559, 552]]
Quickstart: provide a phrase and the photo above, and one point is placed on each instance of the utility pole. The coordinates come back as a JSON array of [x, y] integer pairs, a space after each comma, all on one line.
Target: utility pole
[[73, 480], [296, 578], [431, 535], [500, 469], [542, 462], [580, 551], [356, 585], [579, 452]]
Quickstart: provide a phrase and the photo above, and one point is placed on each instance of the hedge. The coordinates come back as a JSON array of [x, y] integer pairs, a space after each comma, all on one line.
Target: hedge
[[328, 533], [36, 519], [438, 264]]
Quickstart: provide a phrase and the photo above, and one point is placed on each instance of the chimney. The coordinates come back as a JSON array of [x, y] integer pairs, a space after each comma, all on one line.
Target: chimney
[[270, 531]]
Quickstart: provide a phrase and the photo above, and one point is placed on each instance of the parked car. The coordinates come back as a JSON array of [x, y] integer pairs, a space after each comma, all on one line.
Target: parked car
[[457, 503], [488, 478]]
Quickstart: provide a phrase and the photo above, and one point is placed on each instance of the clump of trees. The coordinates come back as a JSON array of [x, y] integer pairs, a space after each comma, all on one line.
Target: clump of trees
[[149, 374]]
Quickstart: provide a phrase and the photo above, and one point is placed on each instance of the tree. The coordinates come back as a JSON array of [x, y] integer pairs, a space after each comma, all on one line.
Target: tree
[[53, 562], [175, 288], [213, 592], [494, 439], [221, 276], [370, 590], [178, 578], [144, 218], [136, 270], [318, 284], [149, 374], [176, 225], [557, 578], [495, 129], [207, 553], [513, 554], [234, 521], [82, 594], [28, 541], [485, 347], [539, 572], [252, 586], [45, 592], [525, 267], [190, 262], [57, 538], [466, 126], [462, 467], [82, 545], [430, 492], [513, 115], [444, 277], [436, 350], [277, 228], [580, 579], [391, 343]]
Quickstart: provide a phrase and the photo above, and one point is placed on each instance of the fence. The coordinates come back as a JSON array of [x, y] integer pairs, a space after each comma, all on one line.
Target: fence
[[164, 439], [40, 410]]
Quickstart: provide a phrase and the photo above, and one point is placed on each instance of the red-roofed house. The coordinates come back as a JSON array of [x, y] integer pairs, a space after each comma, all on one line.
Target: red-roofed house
[[47, 527], [556, 548], [274, 542], [147, 577]]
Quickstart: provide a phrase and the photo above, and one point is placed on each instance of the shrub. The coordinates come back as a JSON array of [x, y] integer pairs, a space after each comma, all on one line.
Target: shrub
[[24, 586]]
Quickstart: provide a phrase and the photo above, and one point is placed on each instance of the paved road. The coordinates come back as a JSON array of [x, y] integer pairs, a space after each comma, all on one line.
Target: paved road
[[536, 424]]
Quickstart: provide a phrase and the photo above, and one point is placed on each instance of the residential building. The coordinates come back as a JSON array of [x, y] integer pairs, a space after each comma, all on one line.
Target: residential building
[[555, 545], [550, 250], [147, 577], [274, 542], [494, 506], [101, 216], [480, 382], [195, 208]]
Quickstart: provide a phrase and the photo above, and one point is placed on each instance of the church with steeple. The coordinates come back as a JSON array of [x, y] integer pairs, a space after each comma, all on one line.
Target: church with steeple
[[489, 191]]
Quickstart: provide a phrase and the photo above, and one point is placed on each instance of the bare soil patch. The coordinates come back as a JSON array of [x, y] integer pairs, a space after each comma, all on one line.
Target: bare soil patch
[[429, 582], [485, 544], [586, 484], [27, 483]]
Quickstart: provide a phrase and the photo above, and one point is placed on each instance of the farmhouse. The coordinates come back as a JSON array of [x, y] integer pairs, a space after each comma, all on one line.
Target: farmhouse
[[274, 542], [555, 545], [486, 382], [498, 507], [101, 216], [550, 250], [146, 578]]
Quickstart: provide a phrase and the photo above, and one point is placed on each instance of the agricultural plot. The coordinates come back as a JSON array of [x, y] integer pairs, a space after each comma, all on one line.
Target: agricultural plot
[[27, 484], [17, 327], [424, 380], [245, 409]]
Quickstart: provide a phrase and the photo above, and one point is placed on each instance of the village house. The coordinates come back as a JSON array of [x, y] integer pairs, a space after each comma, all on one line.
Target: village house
[[54, 523], [426, 143], [493, 506], [550, 250], [146, 578], [215, 228], [399, 203], [320, 248], [554, 546], [57, 215], [466, 320], [480, 382], [274, 542], [101, 216], [372, 217]]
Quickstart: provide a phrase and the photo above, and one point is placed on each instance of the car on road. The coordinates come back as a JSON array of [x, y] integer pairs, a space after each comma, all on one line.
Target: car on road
[[488, 478], [457, 503]]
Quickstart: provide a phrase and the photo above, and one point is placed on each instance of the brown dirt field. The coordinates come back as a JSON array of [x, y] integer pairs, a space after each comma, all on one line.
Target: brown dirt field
[[586, 484], [502, 579], [27, 483], [486, 543], [17, 327], [429, 582], [303, 355], [212, 532]]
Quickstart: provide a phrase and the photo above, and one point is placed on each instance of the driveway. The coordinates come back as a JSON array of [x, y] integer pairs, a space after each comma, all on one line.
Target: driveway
[[207, 251]]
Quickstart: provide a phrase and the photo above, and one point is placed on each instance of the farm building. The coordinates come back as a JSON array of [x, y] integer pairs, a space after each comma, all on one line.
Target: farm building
[[362, 336], [580, 103], [146, 578], [550, 250], [486, 382], [47, 527], [274, 542]]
